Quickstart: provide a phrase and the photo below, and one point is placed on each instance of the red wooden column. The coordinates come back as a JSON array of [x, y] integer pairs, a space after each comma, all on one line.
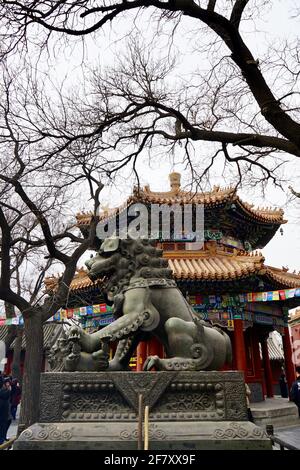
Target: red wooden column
[[239, 346], [154, 348], [263, 383], [267, 367], [141, 354], [256, 357], [258, 363], [289, 366]]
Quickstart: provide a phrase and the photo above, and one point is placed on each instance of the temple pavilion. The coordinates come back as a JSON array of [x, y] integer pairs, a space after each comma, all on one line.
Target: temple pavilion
[[218, 279]]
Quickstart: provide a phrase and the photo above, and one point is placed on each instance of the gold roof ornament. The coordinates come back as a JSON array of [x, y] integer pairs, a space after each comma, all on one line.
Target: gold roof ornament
[[175, 182], [104, 209]]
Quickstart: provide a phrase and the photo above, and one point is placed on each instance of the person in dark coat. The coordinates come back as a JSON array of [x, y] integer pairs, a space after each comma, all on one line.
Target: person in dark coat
[[295, 390], [283, 385], [15, 397], [4, 408]]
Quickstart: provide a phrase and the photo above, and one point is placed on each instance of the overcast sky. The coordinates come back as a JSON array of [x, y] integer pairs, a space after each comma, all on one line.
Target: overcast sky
[[283, 250]]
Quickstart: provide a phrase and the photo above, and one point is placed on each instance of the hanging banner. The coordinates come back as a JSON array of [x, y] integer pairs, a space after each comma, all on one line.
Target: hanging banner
[[11, 321], [227, 300], [88, 311], [205, 305]]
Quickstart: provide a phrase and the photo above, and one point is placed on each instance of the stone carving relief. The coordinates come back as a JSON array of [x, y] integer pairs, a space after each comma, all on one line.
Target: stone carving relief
[[237, 431], [42, 433], [155, 433]]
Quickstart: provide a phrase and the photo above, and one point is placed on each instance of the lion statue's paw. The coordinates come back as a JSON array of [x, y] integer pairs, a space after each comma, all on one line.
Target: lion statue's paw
[[151, 361], [102, 359]]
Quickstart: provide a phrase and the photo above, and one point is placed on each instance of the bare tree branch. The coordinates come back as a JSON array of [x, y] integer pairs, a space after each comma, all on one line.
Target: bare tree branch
[[237, 12]]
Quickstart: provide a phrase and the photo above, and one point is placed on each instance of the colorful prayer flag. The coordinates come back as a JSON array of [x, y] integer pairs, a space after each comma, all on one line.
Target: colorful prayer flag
[[290, 293], [275, 295], [82, 310], [89, 310], [282, 295], [96, 308], [63, 313], [70, 312], [56, 316]]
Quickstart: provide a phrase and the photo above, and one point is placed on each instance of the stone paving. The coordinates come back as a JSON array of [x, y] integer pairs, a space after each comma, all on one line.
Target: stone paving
[[278, 411], [290, 435]]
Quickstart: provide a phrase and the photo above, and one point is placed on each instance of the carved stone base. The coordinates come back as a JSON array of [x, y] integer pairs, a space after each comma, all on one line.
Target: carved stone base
[[179, 435], [98, 410]]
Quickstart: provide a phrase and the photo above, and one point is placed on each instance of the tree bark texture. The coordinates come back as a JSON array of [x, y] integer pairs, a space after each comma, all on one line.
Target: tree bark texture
[[16, 363], [32, 369]]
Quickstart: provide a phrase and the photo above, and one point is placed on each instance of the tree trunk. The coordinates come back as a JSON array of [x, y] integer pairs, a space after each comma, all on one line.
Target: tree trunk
[[11, 329], [32, 369], [16, 363]]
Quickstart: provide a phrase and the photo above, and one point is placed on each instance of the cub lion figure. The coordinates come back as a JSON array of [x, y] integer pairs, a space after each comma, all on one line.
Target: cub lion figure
[[146, 301]]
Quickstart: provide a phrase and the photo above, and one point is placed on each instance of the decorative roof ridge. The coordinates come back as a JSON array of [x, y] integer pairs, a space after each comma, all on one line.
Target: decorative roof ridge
[[78, 273], [217, 195], [81, 273], [83, 214], [252, 254], [264, 209], [205, 266], [295, 316], [263, 212], [217, 190], [218, 253], [285, 271]]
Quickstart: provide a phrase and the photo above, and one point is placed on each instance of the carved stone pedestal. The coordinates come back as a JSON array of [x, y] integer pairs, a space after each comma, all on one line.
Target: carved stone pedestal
[[98, 410]]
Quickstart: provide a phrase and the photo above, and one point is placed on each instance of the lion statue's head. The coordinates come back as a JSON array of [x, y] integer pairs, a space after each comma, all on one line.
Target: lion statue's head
[[118, 261]]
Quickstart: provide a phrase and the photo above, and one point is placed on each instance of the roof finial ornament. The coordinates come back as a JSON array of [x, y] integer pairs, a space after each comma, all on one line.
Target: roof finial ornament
[[105, 209], [175, 182]]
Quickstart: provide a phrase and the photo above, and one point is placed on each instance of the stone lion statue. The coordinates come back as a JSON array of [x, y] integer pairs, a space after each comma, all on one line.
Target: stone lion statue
[[146, 301]]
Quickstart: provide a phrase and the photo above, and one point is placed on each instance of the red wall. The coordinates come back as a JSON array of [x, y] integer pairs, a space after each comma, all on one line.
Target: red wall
[[295, 340]]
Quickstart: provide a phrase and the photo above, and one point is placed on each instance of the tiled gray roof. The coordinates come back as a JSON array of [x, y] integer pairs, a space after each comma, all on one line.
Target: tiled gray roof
[[51, 332], [275, 353]]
